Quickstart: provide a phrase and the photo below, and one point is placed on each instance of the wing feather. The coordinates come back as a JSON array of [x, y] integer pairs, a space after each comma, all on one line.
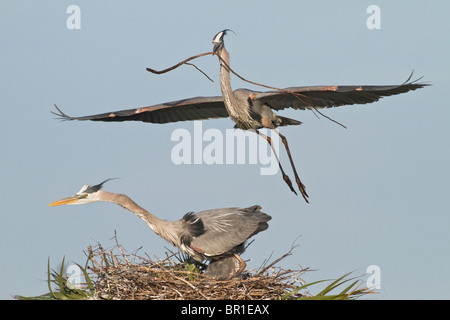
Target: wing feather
[[227, 228], [331, 96], [198, 108]]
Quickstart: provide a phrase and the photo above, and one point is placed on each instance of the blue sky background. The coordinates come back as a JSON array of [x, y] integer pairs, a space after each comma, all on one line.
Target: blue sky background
[[377, 189]]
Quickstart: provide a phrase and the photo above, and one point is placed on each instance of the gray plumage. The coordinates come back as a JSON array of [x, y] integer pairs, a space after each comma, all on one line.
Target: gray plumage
[[227, 229]]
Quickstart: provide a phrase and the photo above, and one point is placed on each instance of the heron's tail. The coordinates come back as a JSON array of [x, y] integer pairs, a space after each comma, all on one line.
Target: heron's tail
[[288, 121]]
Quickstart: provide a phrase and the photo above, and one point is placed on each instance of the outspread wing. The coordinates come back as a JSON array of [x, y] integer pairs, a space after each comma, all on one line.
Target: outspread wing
[[331, 96], [198, 108], [201, 108]]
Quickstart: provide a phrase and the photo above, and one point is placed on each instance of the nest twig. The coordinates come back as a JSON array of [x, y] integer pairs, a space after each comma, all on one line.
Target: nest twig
[[122, 276]]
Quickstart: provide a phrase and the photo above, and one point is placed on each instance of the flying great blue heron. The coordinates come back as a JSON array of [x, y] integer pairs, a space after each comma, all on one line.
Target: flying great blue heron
[[217, 235], [252, 110]]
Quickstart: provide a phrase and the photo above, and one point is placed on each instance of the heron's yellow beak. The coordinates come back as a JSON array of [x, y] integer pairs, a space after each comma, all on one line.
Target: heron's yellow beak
[[67, 200]]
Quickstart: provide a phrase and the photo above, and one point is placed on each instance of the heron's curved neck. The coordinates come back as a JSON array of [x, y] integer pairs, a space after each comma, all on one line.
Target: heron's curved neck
[[224, 72], [158, 225], [231, 104]]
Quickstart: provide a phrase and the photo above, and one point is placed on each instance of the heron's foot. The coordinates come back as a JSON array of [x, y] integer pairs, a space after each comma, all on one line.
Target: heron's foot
[[242, 264], [288, 182], [302, 189]]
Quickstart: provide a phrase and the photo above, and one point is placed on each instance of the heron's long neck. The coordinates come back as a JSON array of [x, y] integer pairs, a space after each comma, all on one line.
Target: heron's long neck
[[225, 85], [159, 226], [231, 104]]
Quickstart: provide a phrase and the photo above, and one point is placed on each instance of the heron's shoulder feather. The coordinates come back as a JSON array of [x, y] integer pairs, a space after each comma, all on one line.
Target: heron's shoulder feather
[[193, 224]]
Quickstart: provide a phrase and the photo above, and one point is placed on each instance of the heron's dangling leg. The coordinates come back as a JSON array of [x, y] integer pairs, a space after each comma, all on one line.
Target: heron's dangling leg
[[301, 186], [285, 176]]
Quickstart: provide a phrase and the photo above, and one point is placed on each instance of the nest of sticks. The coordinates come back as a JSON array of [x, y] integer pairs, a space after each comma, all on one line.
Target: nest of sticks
[[131, 276]]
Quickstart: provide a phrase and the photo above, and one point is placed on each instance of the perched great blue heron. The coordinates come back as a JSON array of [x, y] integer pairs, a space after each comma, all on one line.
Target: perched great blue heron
[[252, 110], [217, 235]]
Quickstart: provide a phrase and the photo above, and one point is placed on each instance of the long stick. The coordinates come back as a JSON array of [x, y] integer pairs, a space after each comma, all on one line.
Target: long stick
[[178, 64]]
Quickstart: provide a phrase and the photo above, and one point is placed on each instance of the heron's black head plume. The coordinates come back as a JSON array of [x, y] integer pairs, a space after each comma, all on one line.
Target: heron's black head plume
[[218, 39], [92, 189]]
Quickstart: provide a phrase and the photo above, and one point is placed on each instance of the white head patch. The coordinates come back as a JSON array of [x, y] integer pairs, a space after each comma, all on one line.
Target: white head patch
[[83, 189]]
